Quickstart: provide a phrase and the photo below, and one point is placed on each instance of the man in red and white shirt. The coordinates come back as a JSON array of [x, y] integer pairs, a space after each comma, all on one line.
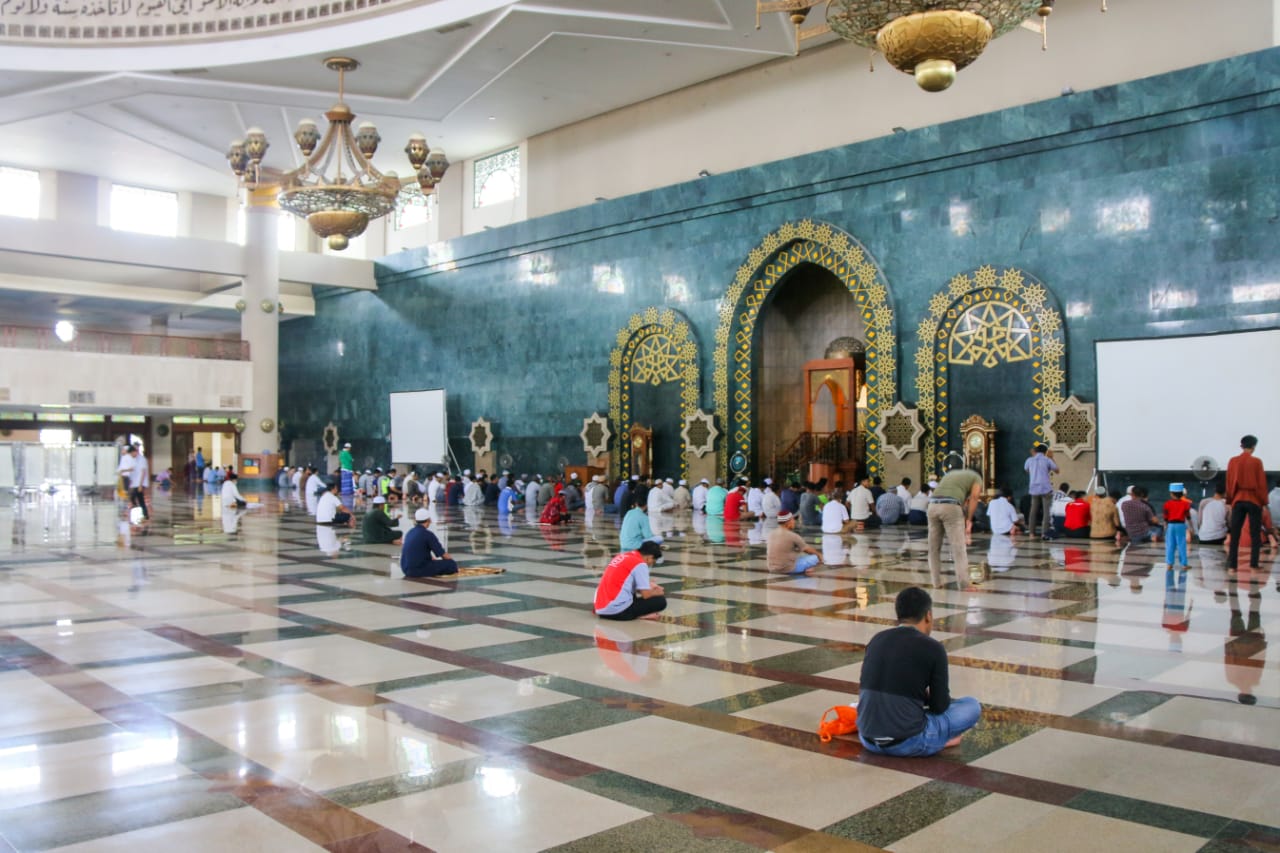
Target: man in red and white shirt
[[625, 591]]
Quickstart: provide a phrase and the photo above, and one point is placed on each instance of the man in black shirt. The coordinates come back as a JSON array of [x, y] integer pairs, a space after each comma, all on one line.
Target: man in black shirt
[[904, 702]]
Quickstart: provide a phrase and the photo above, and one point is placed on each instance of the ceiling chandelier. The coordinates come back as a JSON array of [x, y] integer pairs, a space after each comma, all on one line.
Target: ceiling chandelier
[[929, 39], [337, 204]]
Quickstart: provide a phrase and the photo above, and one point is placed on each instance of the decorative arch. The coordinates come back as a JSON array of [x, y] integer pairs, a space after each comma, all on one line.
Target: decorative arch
[[989, 317], [780, 252], [657, 345]]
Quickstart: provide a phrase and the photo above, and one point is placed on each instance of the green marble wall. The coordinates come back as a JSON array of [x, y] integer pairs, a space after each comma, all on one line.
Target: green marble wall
[[1147, 209]]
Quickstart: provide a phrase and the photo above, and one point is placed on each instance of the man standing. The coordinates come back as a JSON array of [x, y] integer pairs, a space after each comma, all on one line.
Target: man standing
[[625, 591], [1247, 494], [1038, 469], [200, 462], [347, 470], [133, 467], [787, 552], [905, 707], [950, 511], [422, 555]]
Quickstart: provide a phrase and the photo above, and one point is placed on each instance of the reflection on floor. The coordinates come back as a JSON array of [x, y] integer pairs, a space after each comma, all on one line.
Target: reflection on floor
[[247, 682]]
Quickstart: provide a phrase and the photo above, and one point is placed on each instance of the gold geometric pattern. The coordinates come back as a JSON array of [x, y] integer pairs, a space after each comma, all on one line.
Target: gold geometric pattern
[[990, 333], [988, 317], [1071, 426], [791, 245], [655, 361], [656, 346]]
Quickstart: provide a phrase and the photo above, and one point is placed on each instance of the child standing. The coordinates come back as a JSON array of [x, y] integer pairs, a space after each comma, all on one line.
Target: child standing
[[1176, 512]]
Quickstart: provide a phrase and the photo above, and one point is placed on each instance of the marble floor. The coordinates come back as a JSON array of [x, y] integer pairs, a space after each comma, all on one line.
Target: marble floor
[[247, 682]]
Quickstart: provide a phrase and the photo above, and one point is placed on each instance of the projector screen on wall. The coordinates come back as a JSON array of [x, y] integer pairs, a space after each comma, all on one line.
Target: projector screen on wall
[[418, 433], [1163, 402]]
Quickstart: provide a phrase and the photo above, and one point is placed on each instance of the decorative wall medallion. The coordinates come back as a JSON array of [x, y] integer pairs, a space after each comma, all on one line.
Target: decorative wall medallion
[[266, 425], [1072, 426], [900, 430], [239, 424], [595, 435], [793, 244], [987, 317], [656, 346], [267, 306], [700, 433], [241, 305], [481, 436], [737, 463], [162, 430], [329, 438]]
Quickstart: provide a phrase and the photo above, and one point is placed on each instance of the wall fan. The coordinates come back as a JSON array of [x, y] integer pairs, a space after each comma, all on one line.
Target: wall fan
[[1205, 468]]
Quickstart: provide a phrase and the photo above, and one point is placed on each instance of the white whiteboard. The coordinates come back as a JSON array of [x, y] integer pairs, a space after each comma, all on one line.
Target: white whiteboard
[[108, 461], [418, 422], [1163, 402], [83, 463]]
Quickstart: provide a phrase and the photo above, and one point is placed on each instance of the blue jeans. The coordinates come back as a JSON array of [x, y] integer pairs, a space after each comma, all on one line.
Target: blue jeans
[[804, 563], [959, 717], [1175, 540]]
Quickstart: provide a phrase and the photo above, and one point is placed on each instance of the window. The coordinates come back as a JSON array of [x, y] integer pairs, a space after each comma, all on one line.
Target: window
[[144, 211], [19, 192], [497, 178], [412, 210], [55, 437]]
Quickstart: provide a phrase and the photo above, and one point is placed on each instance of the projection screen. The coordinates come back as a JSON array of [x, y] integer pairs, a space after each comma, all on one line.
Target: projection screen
[[1163, 402], [418, 427]]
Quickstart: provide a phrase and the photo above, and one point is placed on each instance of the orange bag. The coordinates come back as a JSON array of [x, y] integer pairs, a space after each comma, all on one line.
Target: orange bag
[[845, 722]]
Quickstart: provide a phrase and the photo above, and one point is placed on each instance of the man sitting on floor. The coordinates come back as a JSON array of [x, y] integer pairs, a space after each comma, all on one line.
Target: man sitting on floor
[[422, 555], [787, 551], [377, 527], [625, 591], [905, 707]]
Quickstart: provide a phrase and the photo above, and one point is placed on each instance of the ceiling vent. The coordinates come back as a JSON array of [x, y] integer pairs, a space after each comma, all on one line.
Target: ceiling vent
[[159, 399], [453, 28], [229, 401], [80, 398]]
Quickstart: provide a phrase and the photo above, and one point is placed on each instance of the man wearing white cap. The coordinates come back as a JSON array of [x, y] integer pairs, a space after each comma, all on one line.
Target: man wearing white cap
[[422, 555], [699, 496], [377, 527], [669, 486], [658, 502], [597, 494], [787, 552], [755, 499], [572, 494], [347, 468], [681, 496], [770, 502]]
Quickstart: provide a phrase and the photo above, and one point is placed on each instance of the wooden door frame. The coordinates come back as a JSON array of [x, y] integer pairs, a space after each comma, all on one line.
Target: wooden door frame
[[846, 401]]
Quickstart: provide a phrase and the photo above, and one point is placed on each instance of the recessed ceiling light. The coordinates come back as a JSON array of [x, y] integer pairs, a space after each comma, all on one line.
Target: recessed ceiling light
[[493, 118], [65, 330]]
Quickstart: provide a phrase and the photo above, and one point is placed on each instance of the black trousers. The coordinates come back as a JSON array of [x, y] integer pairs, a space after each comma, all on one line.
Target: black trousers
[[639, 607], [138, 498], [1239, 510]]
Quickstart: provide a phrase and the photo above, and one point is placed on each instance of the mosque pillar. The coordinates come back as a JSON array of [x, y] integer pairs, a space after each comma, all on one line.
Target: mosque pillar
[[260, 319]]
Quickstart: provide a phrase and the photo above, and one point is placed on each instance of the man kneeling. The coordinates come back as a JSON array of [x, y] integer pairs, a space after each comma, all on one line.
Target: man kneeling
[[625, 591], [904, 704], [422, 555]]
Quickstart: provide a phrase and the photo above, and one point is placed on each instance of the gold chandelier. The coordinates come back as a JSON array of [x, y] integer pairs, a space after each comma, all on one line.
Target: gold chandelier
[[929, 39], [337, 205]]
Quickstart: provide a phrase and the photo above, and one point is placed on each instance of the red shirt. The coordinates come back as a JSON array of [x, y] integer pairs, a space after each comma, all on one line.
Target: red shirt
[[1077, 515], [1246, 480], [1176, 510], [733, 505]]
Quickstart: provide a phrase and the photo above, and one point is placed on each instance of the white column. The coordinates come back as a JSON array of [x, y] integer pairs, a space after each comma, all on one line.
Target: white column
[[260, 322]]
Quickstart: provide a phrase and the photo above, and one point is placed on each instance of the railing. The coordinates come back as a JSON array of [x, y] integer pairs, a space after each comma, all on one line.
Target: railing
[[830, 448], [122, 343]]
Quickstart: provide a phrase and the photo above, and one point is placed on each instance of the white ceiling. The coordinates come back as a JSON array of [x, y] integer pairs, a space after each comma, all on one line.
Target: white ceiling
[[514, 70]]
